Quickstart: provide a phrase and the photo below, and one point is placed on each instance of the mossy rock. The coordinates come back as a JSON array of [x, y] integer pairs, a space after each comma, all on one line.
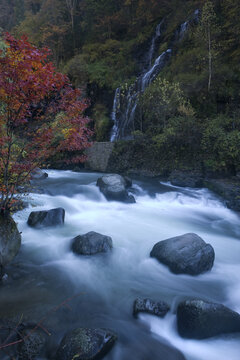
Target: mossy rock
[[86, 344], [10, 240]]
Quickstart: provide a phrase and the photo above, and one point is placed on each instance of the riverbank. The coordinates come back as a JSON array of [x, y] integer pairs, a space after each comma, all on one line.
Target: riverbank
[[139, 159]]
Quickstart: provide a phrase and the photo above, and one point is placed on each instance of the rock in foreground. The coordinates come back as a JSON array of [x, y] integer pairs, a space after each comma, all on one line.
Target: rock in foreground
[[151, 307], [91, 243], [10, 240], [114, 187], [33, 344], [198, 319], [185, 254], [86, 344], [46, 218]]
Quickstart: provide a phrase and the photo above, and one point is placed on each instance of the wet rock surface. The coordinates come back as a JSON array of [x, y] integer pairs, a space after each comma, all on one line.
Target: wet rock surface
[[198, 319], [185, 254], [229, 189], [33, 344], [86, 344], [192, 179], [91, 243], [114, 187], [149, 306], [10, 240], [46, 218], [38, 174]]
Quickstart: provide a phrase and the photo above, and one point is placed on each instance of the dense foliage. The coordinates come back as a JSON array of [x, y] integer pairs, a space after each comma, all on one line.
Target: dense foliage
[[101, 44], [40, 114]]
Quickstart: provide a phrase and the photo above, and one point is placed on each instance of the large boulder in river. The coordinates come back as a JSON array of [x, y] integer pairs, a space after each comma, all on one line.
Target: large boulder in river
[[151, 307], [91, 243], [198, 319], [46, 218], [86, 344], [114, 187], [10, 240], [185, 254]]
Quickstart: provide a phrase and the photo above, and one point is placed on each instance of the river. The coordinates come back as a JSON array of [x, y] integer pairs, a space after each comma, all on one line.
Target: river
[[46, 272]]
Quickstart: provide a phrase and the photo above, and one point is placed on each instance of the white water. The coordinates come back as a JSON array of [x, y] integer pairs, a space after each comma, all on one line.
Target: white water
[[153, 43], [128, 112], [116, 105], [110, 283], [154, 70]]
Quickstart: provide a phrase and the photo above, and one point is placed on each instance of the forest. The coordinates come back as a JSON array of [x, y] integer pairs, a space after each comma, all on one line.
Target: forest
[[100, 45], [119, 179]]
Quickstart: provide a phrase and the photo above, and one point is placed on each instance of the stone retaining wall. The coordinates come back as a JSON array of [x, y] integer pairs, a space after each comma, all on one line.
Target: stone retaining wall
[[98, 155]]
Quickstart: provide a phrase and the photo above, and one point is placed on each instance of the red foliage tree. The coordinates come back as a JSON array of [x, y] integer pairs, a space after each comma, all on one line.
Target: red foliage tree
[[40, 115]]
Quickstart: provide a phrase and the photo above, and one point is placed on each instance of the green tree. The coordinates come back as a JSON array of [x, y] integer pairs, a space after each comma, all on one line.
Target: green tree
[[162, 100], [207, 32]]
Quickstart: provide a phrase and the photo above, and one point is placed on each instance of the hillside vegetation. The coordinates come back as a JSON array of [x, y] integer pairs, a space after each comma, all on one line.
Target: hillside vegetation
[[189, 116]]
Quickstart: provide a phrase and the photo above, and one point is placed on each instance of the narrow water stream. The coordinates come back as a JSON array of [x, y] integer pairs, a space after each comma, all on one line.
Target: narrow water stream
[[46, 272]]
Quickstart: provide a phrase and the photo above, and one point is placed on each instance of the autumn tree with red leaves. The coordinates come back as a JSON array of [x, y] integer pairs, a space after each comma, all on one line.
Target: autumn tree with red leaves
[[40, 115]]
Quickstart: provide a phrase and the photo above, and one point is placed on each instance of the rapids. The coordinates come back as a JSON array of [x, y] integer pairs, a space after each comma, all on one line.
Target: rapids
[[46, 272]]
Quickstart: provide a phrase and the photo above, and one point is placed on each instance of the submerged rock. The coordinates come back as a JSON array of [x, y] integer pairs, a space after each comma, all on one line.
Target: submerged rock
[[91, 243], [86, 344], [46, 218], [33, 344], [10, 240], [38, 174], [151, 307], [114, 187], [198, 319], [185, 254]]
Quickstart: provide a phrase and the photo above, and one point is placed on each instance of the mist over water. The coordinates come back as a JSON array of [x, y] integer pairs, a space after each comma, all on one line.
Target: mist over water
[[109, 283]]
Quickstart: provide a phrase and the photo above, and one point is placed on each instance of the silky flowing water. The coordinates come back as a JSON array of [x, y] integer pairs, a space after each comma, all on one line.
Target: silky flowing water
[[46, 272]]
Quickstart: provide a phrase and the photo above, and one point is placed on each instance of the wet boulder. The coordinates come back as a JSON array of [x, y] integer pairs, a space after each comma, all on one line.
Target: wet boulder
[[185, 254], [38, 174], [128, 181], [33, 344], [114, 187], [193, 179], [91, 243], [46, 218], [198, 319], [151, 307], [10, 240], [86, 344]]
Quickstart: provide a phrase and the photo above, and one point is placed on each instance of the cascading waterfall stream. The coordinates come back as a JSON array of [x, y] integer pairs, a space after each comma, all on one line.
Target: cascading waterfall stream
[[116, 104], [124, 107], [128, 112], [153, 44], [109, 283]]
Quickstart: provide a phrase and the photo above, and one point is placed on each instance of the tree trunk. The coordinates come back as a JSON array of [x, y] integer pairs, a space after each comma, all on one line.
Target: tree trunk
[[209, 59]]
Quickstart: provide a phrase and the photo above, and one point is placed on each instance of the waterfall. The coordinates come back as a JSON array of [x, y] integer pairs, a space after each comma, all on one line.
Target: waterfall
[[116, 104], [125, 106], [123, 114], [182, 30], [153, 44], [147, 78]]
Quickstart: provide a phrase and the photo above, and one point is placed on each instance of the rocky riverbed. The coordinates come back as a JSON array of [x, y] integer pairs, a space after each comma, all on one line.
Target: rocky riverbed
[[93, 294]]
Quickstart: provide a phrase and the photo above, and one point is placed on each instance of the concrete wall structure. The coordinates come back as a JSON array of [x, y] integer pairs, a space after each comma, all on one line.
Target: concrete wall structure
[[98, 155]]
